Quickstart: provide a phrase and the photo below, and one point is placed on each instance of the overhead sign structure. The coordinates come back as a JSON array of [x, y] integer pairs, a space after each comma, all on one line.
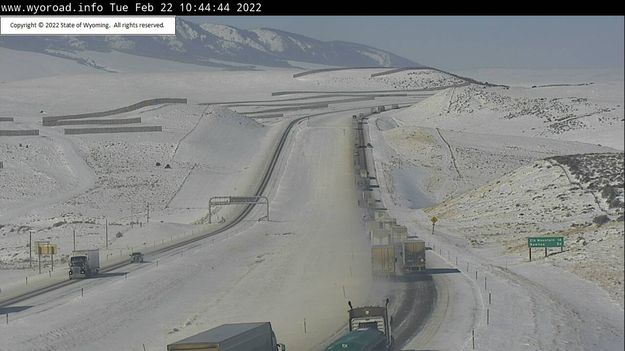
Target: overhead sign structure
[[236, 200], [244, 199], [544, 241], [220, 200]]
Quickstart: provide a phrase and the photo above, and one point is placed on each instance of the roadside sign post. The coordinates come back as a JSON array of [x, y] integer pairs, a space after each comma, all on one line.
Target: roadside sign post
[[434, 220], [39, 245], [44, 247], [545, 242]]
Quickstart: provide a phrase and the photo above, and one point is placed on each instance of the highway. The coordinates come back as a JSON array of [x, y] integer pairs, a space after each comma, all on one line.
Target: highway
[[413, 299], [413, 294]]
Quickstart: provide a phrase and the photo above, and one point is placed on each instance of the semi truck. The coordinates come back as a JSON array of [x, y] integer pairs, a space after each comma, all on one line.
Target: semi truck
[[232, 337], [369, 330], [383, 259], [399, 233], [379, 236], [413, 253], [84, 263]]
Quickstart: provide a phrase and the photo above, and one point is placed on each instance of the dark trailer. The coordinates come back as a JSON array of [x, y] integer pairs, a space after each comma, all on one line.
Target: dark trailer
[[231, 337]]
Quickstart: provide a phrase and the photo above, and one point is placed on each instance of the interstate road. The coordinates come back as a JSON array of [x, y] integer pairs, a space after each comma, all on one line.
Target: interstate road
[[178, 248]]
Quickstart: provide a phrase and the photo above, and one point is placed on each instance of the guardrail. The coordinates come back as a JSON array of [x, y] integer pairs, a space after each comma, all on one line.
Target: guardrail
[[321, 70], [113, 130], [99, 121], [51, 120], [19, 132]]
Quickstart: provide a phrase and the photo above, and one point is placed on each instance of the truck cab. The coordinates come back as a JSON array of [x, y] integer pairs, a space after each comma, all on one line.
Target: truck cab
[[78, 267], [371, 317], [136, 257], [84, 263]]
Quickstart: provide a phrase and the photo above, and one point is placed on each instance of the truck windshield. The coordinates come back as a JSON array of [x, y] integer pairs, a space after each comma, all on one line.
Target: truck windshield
[[78, 261], [368, 325]]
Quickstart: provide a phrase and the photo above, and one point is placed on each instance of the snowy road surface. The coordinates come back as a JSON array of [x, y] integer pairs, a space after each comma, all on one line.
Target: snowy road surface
[[293, 268]]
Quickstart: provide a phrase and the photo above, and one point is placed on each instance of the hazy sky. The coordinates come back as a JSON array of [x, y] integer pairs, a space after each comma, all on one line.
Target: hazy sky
[[467, 42]]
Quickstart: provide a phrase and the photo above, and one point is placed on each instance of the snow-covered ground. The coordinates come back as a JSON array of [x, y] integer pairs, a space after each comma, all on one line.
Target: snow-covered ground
[[19, 65], [58, 184], [303, 265], [590, 113], [361, 79], [55, 184], [482, 161], [544, 77], [541, 200]]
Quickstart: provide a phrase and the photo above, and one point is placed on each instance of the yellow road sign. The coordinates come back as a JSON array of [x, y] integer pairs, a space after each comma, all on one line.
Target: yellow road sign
[[434, 219], [46, 249]]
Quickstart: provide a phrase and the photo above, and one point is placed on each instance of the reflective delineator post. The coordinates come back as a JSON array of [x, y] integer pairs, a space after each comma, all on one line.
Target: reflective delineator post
[[30, 248], [106, 232]]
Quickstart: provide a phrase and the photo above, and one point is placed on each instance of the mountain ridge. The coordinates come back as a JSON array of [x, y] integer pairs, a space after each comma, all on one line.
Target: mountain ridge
[[213, 45]]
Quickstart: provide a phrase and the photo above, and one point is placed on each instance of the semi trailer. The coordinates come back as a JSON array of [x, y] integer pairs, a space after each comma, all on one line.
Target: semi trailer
[[232, 337], [413, 253], [383, 259]]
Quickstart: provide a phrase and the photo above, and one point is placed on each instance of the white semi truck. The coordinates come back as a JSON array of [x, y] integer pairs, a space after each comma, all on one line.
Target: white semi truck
[[84, 263]]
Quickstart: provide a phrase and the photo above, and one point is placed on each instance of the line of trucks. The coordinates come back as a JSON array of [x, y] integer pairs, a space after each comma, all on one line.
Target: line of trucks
[[390, 244], [369, 330], [391, 252]]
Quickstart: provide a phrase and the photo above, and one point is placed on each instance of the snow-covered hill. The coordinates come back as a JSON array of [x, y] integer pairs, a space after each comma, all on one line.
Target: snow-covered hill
[[125, 173], [579, 197], [589, 113], [498, 164], [376, 78], [214, 45]]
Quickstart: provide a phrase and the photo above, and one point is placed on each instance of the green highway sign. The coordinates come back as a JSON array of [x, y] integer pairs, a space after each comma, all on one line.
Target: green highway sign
[[545, 241]]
